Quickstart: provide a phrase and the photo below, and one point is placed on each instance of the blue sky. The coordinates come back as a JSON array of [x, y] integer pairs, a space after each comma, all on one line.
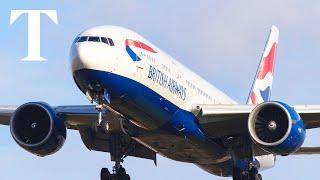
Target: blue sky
[[220, 40]]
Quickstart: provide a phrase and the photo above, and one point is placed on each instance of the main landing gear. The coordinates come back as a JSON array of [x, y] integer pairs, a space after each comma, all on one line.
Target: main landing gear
[[118, 156], [119, 173], [244, 165], [251, 174]]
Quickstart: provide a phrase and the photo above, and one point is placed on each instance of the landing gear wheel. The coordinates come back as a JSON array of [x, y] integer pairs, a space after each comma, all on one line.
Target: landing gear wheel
[[253, 173], [121, 171], [123, 177], [127, 177], [122, 174], [259, 177], [105, 174]]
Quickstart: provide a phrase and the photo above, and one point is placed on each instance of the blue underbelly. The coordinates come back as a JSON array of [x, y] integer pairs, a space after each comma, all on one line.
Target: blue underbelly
[[177, 134]]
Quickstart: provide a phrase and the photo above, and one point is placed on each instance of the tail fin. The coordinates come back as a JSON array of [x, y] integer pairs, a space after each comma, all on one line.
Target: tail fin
[[261, 87]]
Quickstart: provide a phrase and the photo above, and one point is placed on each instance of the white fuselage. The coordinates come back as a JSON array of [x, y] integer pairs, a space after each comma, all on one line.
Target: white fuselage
[[115, 59], [135, 58]]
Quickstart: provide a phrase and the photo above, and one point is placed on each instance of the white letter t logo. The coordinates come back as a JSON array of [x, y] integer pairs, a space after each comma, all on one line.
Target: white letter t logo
[[33, 30]]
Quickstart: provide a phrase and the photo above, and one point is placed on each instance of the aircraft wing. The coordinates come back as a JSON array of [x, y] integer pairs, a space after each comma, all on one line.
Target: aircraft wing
[[5, 113], [216, 120], [82, 118], [223, 120], [231, 120], [308, 150], [74, 116]]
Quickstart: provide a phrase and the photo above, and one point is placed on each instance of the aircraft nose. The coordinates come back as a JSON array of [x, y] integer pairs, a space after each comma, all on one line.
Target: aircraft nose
[[83, 56]]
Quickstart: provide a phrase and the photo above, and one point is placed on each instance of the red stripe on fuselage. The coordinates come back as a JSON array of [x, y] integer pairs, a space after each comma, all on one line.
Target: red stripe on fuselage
[[130, 42], [253, 98], [268, 62]]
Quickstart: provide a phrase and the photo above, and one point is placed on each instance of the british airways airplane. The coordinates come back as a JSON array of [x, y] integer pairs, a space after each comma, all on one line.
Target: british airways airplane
[[146, 103]]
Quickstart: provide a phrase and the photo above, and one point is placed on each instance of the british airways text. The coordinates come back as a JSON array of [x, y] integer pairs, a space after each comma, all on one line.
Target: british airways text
[[165, 81]]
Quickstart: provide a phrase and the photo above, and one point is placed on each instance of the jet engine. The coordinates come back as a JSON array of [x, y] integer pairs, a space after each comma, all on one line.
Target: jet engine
[[277, 128], [37, 128]]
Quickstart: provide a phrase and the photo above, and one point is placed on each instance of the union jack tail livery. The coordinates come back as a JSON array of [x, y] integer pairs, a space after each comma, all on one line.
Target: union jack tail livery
[[261, 88]]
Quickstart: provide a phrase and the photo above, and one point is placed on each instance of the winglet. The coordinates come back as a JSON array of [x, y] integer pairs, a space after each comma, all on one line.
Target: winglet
[[262, 85]]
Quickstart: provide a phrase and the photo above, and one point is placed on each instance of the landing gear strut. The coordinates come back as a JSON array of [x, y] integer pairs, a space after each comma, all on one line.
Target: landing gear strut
[[244, 167], [101, 97], [118, 154]]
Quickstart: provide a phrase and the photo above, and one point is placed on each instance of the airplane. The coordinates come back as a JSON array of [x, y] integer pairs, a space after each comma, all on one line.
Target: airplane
[[144, 103]]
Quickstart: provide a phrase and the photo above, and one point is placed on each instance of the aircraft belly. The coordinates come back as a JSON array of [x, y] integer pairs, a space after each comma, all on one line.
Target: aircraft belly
[[178, 148], [174, 132]]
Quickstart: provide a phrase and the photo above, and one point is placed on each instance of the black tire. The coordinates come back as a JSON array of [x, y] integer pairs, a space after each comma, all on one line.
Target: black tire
[[123, 177], [127, 177], [253, 174], [121, 171], [259, 177], [105, 174]]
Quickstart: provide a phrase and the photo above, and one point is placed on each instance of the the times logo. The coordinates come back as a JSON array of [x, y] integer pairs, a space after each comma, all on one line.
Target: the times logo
[[34, 30]]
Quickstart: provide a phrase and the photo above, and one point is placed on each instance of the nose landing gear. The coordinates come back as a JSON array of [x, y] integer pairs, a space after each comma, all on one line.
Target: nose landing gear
[[101, 97]]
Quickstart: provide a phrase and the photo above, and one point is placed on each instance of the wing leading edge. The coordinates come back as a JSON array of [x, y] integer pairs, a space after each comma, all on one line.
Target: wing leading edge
[[230, 120], [83, 119], [210, 116], [232, 114], [72, 115]]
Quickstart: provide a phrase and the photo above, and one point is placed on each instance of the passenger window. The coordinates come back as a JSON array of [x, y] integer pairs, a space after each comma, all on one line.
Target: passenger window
[[83, 38], [110, 42], [94, 39], [104, 40]]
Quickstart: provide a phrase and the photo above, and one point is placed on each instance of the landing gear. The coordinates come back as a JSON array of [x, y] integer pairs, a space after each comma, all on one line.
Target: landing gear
[[118, 174], [118, 152], [244, 166], [105, 174], [251, 174], [101, 97], [121, 174], [259, 177], [254, 174]]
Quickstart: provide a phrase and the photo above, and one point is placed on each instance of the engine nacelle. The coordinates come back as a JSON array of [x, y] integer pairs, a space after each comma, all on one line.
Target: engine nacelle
[[277, 128], [37, 128], [265, 162]]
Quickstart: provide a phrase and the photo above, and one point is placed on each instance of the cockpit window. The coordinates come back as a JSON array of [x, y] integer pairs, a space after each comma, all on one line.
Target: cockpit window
[[104, 40], [76, 40], [110, 42], [94, 38], [83, 38]]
